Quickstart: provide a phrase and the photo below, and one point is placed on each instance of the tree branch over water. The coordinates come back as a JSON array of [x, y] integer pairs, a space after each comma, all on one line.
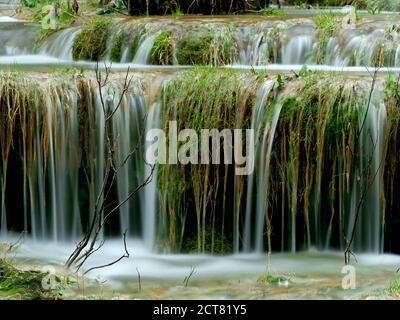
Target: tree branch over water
[[101, 212]]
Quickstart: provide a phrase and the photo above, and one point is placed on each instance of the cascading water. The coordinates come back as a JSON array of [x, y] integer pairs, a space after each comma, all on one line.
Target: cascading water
[[264, 136], [299, 50], [17, 38], [150, 193], [52, 176], [59, 44], [128, 128], [62, 145], [143, 54], [290, 42], [367, 180]]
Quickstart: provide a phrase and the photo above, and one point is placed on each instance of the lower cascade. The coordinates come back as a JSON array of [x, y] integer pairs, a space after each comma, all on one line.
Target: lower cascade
[[322, 159]]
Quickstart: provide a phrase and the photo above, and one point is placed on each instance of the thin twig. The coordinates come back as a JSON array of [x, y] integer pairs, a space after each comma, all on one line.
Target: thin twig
[[125, 255], [139, 279], [87, 246], [187, 278]]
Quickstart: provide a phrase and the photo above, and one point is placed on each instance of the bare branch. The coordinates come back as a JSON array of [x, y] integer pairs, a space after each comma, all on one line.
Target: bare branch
[[139, 279], [101, 211], [125, 255], [187, 278]]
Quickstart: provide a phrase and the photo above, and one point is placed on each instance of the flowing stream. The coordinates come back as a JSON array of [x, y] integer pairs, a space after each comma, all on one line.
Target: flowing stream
[[324, 156]]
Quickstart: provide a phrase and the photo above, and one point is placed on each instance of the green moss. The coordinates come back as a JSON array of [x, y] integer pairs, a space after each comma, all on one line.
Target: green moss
[[163, 49], [19, 284], [91, 42], [116, 49], [194, 48], [326, 25]]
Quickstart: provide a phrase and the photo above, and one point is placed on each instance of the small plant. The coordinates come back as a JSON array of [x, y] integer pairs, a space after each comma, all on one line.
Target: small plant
[[326, 22], [273, 12], [177, 12], [374, 10], [275, 280], [394, 288], [280, 81], [373, 7], [64, 17], [30, 3]]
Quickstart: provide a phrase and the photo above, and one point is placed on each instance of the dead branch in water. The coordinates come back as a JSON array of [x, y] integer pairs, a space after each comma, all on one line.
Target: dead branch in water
[[125, 255], [101, 213], [187, 278]]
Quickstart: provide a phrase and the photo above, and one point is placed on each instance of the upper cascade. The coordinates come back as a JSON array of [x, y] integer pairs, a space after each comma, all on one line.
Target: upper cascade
[[340, 40]]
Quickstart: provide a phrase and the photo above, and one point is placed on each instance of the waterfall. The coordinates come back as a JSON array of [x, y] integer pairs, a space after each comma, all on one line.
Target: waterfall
[[52, 178], [358, 50], [289, 42], [143, 54], [264, 136], [298, 50], [128, 128], [397, 57], [253, 47], [59, 44], [301, 155], [17, 38], [150, 193], [368, 234]]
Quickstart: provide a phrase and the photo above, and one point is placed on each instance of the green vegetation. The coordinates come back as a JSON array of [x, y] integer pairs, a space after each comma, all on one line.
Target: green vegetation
[[19, 284], [207, 47], [194, 48], [273, 12], [31, 3], [394, 289], [270, 279], [215, 243], [177, 12], [224, 46], [198, 99], [116, 49], [359, 4], [163, 50], [91, 42], [64, 17], [326, 25]]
